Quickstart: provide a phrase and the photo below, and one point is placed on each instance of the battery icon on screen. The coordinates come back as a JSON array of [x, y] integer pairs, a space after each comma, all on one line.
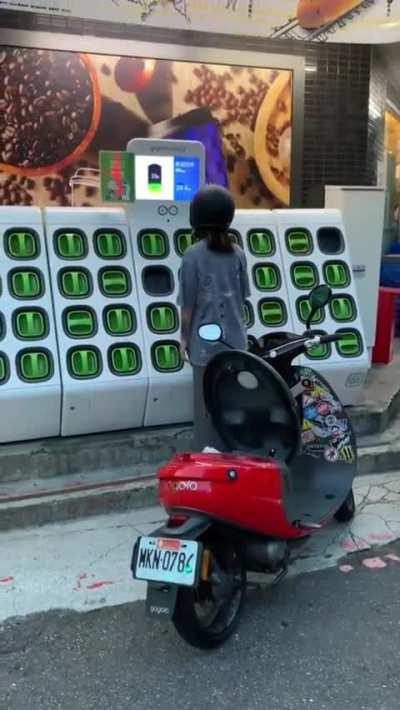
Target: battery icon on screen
[[154, 177]]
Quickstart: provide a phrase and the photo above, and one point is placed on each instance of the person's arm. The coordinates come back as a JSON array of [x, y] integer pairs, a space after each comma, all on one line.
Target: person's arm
[[244, 277], [187, 297], [186, 320]]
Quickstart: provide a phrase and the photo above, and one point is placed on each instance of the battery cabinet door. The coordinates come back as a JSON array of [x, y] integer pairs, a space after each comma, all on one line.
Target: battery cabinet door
[[30, 387], [159, 239], [104, 372]]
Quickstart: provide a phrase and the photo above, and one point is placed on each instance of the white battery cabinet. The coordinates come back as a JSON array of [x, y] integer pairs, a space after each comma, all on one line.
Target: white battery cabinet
[[30, 387], [168, 174], [159, 241], [256, 231], [315, 250], [362, 210], [103, 368]]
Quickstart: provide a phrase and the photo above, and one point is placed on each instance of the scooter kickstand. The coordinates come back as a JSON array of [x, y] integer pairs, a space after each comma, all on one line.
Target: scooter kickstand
[[281, 575]]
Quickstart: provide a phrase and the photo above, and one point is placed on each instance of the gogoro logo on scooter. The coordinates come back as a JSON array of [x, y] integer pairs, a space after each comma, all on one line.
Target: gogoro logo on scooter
[[183, 486]]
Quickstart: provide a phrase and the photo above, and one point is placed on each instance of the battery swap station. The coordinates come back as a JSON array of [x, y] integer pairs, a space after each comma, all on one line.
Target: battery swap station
[[167, 175]]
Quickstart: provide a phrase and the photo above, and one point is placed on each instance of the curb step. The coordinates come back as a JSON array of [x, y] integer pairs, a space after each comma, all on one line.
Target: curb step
[[64, 505], [62, 498]]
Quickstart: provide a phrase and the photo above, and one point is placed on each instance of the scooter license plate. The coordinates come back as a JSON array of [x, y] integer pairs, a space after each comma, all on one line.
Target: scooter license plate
[[167, 560]]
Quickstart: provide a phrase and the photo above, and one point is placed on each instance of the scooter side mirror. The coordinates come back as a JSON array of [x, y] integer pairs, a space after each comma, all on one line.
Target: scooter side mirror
[[318, 298], [211, 332]]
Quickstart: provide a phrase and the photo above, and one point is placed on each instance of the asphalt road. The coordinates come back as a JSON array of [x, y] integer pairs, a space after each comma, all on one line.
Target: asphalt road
[[325, 640]]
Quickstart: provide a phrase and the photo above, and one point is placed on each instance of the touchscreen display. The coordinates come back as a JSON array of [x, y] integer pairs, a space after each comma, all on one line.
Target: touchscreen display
[[166, 177]]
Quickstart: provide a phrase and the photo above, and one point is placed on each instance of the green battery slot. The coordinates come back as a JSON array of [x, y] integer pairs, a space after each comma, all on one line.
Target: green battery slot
[[119, 320], [236, 238], [183, 239], [166, 357], [75, 283], [153, 244], [30, 324], [303, 308], [272, 312], [350, 345], [304, 275], [80, 322], [21, 244], [337, 274], [248, 314], [70, 244], [299, 242], [4, 369], [114, 282], [124, 360], [35, 365], [109, 244], [343, 308], [84, 363], [162, 318], [26, 284], [319, 352], [261, 242], [267, 277]]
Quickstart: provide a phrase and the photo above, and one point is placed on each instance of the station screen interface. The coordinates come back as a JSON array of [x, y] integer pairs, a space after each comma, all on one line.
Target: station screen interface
[[174, 178]]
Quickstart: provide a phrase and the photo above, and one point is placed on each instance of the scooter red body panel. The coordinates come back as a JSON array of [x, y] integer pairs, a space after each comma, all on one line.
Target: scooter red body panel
[[245, 492]]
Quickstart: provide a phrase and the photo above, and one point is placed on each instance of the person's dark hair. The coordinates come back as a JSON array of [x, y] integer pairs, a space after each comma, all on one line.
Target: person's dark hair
[[219, 240], [211, 213]]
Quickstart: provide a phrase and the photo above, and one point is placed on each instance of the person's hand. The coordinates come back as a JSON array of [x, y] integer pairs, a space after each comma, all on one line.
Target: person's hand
[[184, 354]]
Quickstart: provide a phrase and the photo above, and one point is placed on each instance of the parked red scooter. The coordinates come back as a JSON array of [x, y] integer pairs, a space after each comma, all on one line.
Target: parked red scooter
[[288, 468]]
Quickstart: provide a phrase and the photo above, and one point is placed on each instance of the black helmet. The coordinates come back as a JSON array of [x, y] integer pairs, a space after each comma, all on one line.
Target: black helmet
[[213, 206]]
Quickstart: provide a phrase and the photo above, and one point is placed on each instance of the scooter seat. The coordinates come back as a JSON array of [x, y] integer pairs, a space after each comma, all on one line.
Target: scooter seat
[[251, 406]]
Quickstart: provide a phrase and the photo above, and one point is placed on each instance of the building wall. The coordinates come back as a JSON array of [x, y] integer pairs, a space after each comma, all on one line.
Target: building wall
[[345, 92]]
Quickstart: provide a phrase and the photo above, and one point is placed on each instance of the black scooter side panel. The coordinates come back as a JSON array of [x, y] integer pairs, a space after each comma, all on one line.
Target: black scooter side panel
[[322, 475]]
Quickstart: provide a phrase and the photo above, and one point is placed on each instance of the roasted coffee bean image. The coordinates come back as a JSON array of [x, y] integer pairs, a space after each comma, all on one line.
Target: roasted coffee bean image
[[16, 191], [214, 90], [46, 106]]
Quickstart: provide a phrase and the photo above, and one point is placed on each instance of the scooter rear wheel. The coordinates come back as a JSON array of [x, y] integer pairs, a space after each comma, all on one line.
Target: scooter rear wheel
[[347, 510], [207, 616]]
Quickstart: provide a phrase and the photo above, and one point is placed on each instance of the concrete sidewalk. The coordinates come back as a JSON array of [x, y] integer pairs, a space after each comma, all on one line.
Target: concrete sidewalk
[[84, 565]]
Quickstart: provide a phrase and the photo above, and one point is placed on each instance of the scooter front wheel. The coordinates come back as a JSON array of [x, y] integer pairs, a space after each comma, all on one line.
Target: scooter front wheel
[[207, 615]]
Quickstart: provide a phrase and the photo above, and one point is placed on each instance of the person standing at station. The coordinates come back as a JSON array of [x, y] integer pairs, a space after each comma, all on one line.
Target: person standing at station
[[213, 288]]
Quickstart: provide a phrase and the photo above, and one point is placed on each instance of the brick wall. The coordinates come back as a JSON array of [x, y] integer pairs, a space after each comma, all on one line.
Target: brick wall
[[340, 135]]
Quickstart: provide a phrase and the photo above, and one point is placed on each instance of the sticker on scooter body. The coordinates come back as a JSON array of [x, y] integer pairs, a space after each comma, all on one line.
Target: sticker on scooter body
[[326, 428], [167, 560]]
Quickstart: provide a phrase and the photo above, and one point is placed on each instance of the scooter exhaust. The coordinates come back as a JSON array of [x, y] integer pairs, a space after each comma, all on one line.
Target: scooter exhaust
[[265, 556]]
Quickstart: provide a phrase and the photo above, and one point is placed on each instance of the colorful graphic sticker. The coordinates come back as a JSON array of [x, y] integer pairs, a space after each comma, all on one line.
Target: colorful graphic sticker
[[326, 429]]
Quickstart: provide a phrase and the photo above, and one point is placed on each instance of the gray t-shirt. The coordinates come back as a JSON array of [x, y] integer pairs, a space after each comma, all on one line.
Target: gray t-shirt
[[215, 285]]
